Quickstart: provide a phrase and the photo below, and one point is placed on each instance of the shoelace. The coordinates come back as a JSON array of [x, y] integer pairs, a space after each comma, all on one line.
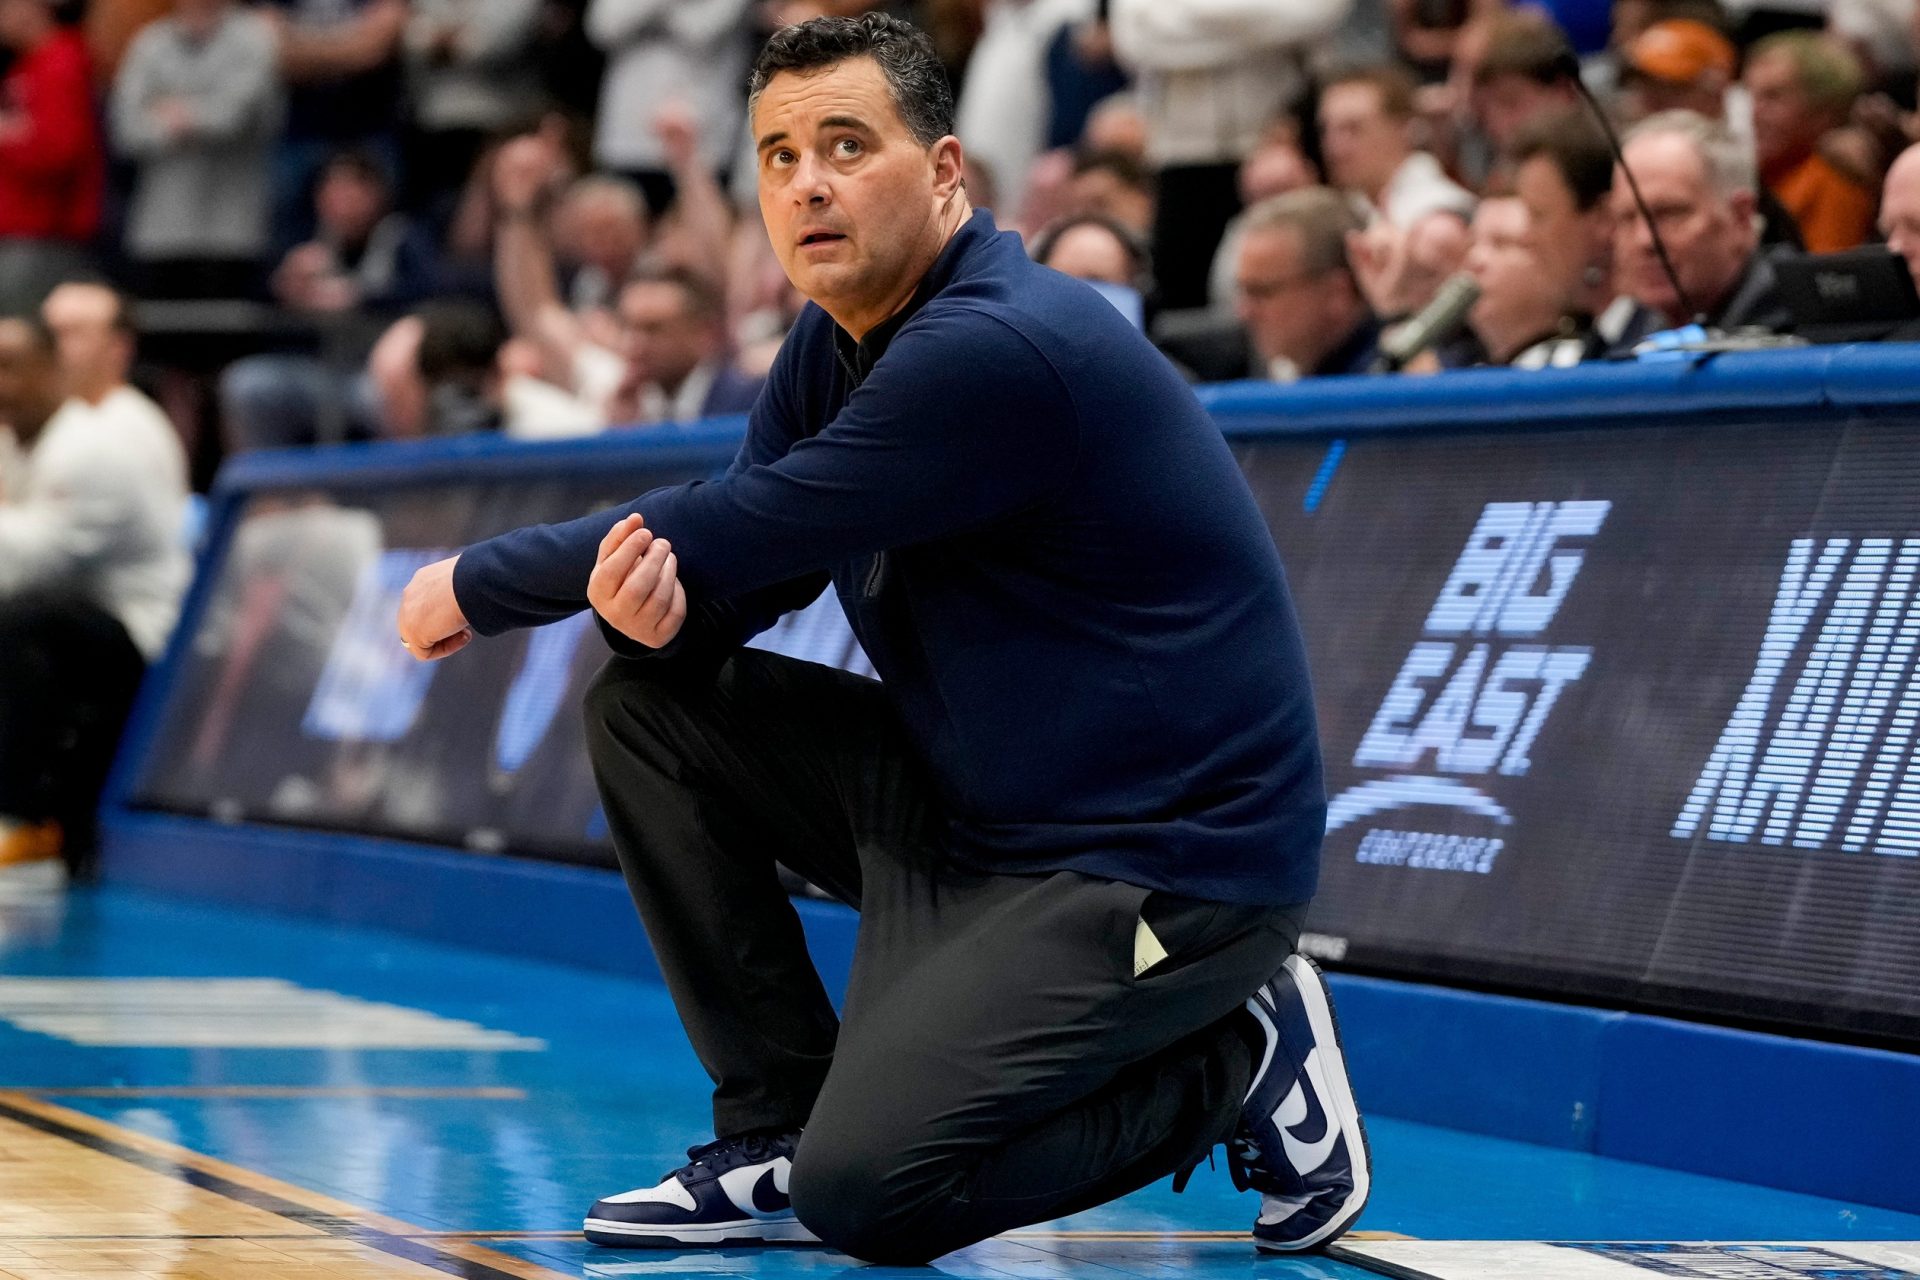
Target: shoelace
[[1184, 1175], [1242, 1154], [723, 1154]]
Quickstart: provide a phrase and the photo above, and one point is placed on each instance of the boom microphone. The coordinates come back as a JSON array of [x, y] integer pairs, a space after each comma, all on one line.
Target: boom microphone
[[1566, 66], [1435, 322]]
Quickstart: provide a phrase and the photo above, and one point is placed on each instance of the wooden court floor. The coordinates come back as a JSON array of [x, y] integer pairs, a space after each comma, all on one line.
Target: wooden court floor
[[82, 1197]]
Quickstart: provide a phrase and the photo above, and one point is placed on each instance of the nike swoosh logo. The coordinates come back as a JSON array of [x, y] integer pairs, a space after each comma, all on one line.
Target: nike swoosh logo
[[767, 1195], [1306, 1156], [759, 1196]]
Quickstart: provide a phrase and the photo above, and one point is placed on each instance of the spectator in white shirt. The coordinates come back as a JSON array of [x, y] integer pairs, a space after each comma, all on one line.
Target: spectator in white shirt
[[91, 563], [122, 519], [693, 52]]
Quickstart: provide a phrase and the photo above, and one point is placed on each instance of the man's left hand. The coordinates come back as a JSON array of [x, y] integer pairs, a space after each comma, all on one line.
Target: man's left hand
[[636, 584]]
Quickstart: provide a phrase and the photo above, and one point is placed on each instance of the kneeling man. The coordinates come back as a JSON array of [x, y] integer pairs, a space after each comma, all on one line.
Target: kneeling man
[[1081, 817]]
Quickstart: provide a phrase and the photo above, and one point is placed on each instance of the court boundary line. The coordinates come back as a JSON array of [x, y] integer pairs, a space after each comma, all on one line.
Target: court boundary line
[[482, 1093], [330, 1217]]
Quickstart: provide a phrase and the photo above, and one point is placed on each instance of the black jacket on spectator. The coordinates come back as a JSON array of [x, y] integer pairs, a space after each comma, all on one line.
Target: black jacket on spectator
[[1754, 303]]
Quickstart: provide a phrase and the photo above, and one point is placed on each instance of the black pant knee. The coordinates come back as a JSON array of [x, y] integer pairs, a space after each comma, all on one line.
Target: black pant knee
[[843, 1197]]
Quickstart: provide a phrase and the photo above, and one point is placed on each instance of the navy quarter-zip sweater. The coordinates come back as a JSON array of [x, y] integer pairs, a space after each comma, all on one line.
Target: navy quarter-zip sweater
[[1047, 550]]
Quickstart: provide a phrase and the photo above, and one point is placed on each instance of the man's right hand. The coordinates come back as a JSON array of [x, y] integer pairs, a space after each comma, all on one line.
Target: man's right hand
[[636, 584], [431, 623]]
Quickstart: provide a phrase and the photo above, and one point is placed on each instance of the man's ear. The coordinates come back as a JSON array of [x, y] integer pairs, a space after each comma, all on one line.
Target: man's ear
[[1745, 207], [949, 167]]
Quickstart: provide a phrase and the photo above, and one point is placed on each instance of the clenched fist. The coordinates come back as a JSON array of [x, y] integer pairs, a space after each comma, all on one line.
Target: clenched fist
[[636, 584], [431, 623]]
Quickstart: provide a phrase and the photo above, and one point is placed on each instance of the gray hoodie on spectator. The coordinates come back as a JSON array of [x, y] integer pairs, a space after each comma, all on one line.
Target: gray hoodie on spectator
[[203, 190]]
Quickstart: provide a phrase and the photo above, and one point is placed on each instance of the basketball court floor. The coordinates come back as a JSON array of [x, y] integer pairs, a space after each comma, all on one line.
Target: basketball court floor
[[188, 1091]]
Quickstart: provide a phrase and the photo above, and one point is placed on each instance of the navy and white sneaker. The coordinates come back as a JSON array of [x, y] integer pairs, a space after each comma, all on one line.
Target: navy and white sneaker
[[1300, 1144], [729, 1192]]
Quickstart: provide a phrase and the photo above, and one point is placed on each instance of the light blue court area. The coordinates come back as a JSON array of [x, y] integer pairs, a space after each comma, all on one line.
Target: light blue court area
[[490, 1099]]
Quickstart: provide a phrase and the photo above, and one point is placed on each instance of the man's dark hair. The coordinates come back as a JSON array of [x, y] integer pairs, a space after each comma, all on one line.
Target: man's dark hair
[[459, 340], [1392, 82], [356, 162], [905, 55], [1573, 144], [1522, 42], [1128, 168], [1132, 242]]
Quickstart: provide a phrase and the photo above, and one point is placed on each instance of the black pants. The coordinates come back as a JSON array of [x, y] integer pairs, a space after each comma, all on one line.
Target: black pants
[[999, 1063], [68, 675]]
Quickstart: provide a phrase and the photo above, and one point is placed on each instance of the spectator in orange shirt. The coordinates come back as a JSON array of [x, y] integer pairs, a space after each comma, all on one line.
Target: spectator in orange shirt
[[1803, 84], [50, 159]]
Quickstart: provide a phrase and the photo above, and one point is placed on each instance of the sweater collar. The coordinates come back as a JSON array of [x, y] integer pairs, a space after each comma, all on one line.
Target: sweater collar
[[858, 358]]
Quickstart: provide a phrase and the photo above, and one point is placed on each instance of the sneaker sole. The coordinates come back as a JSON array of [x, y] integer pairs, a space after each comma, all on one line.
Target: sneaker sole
[[1326, 1037], [637, 1235]]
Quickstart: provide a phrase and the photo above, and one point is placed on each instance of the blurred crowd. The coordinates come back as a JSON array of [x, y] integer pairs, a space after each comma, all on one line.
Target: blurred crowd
[[372, 219]]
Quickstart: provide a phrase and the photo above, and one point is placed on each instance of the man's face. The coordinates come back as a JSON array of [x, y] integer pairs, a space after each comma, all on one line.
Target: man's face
[[1274, 170], [1785, 124], [93, 353], [1507, 102], [1565, 240], [348, 204], [1362, 144], [1516, 293], [29, 379], [1102, 191], [1900, 210], [1283, 307], [1091, 252], [1708, 236], [852, 201], [600, 229], [664, 341]]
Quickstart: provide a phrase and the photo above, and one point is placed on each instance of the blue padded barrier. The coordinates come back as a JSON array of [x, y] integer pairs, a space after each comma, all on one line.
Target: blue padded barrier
[[1828, 1119], [1428, 1053], [539, 910]]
